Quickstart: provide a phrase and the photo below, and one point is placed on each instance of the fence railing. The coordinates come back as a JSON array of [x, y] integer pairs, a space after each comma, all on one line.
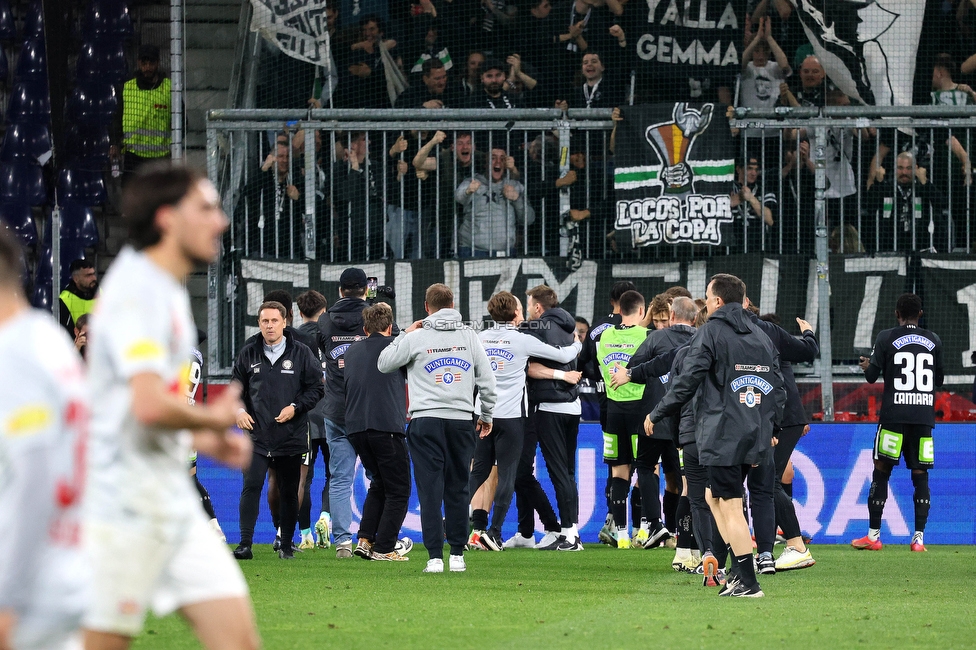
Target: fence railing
[[835, 180]]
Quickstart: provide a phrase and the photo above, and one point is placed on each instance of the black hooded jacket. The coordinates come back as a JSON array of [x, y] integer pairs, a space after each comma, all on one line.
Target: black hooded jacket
[[795, 350], [682, 426], [658, 342], [295, 378], [734, 369], [556, 326], [339, 327]]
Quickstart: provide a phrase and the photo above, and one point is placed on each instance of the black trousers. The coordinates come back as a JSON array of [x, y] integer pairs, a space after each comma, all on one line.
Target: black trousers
[[558, 435], [530, 498], [706, 532], [441, 451], [316, 446], [787, 438], [504, 447], [288, 472], [762, 486], [384, 454]]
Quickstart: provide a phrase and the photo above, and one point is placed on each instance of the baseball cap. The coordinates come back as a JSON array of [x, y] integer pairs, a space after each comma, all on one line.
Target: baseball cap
[[493, 64], [149, 53], [352, 277]]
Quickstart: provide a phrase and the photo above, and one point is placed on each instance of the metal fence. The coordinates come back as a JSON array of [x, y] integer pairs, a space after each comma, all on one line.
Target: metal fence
[[396, 184]]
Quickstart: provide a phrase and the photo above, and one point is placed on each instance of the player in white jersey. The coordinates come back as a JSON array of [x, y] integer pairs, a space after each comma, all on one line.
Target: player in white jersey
[[43, 423], [508, 350], [149, 542]]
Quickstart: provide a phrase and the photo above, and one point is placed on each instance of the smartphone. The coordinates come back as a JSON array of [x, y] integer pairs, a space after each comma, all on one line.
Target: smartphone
[[370, 288]]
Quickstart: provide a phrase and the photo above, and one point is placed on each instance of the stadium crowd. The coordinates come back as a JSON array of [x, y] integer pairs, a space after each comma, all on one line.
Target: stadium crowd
[[575, 54]]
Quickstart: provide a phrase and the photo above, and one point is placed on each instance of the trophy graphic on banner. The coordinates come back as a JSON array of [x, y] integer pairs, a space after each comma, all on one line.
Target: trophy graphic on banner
[[673, 141]]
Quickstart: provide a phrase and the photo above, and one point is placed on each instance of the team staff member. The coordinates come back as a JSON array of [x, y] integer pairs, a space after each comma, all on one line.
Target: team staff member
[[445, 365], [625, 414], [282, 382], [910, 359], [376, 414], [339, 327], [787, 433], [43, 420], [508, 351], [149, 542], [734, 369], [555, 411]]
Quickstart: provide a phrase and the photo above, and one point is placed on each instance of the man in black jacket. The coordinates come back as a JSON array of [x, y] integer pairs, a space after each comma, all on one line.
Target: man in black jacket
[[376, 414], [729, 354], [555, 413], [660, 447], [788, 432], [340, 327], [281, 382]]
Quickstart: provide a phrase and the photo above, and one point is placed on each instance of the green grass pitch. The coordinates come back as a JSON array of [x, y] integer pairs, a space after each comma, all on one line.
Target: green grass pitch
[[603, 598]]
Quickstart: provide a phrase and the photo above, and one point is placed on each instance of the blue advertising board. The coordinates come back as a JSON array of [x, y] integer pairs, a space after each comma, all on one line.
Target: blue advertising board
[[833, 468]]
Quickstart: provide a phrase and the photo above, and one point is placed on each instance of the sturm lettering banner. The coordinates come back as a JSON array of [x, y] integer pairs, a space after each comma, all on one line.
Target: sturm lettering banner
[[674, 169], [300, 29], [863, 291], [832, 464]]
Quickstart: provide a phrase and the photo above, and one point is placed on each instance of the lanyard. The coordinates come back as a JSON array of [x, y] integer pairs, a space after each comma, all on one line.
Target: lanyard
[[590, 91]]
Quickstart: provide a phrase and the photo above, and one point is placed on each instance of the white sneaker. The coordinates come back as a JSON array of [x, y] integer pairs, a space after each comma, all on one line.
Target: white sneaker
[[517, 541], [435, 565], [549, 541], [457, 563], [793, 559], [216, 526]]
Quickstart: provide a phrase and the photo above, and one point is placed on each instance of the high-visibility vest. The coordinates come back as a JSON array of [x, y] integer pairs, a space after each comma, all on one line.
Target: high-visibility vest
[[76, 305], [146, 119]]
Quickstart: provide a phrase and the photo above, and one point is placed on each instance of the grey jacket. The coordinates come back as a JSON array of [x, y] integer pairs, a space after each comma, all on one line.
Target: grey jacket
[[445, 364], [491, 221]]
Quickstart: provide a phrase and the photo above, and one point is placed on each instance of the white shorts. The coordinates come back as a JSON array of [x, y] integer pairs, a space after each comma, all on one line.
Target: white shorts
[[136, 567], [48, 631]]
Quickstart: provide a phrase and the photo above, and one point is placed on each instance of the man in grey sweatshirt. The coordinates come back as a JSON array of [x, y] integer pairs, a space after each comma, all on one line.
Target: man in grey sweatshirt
[[445, 364]]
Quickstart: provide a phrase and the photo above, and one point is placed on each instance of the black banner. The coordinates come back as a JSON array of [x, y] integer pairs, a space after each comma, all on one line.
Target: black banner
[[863, 291], [674, 166]]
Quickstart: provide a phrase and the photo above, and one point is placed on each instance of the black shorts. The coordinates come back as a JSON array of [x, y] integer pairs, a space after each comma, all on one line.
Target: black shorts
[[651, 451], [913, 441], [726, 481], [625, 425]]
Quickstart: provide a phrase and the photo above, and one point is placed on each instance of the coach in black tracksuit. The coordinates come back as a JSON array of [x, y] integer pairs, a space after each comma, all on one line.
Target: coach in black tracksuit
[[790, 428], [281, 382], [376, 417]]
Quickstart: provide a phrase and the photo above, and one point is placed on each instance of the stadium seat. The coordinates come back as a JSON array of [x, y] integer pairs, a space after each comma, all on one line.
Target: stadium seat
[[32, 64], [8, 26], [25, 141], [71, 250], [103, 62], [85, 186], [41, 297], [30, 103], [88, 144], [4, 66], [34, 21], [19, 217], [21, 181], [107, 18], [92, 102], [77, 225]]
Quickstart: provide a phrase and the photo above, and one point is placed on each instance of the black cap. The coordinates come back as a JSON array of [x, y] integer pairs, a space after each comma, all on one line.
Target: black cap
[[149, 52], [493, 64], [352, 278]]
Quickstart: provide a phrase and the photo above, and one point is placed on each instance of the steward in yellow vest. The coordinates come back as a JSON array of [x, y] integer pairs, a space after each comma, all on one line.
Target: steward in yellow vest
[[79, 296]]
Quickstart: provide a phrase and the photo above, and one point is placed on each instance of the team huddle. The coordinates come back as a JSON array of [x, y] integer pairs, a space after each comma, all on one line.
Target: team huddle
[[101, 521]]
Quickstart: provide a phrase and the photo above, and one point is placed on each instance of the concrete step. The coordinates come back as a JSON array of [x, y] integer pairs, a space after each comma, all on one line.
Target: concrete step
[[208, 69], [211, 35], [210, 12]]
